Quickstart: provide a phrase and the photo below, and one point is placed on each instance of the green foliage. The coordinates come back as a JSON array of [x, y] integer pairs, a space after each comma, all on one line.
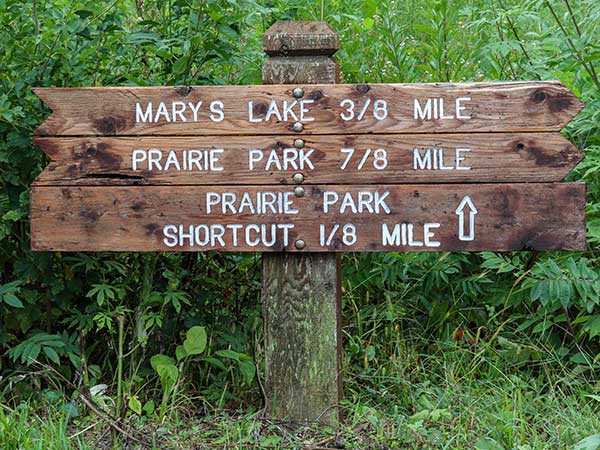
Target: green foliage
[[8, 291], [168, 373], [52, 346], [107, 318], [589, 443], [194, 344], [28, 350]]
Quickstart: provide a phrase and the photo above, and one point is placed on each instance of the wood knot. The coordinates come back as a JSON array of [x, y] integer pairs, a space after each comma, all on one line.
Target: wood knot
[[259, 109], [89, 215], [85, 150], [183, 91], [151, 228], [137, 206], [532, 151], [538, 96], [316, 95], [109, 124], [363, 88]]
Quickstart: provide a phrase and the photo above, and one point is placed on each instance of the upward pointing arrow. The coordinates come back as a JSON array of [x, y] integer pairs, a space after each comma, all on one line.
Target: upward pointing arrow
[[460, 211]]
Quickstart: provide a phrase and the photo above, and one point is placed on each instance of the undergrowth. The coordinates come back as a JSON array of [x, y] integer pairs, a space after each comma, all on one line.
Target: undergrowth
[[453, 351]]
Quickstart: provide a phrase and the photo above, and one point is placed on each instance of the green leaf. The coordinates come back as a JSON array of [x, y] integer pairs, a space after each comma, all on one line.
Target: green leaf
[[70, 409], [12, 216], [8, 287], [270, 441], [230, 354], [30, 353], [593, 326], [195, 342], [161, 360], [168, 376], [487, 443], [149, 407], [84, 13], [215, 362], [135, 405], [13, 301], [75, 359], [589, 443], [565, 291], [143, 37], [540, 292], [248, 370], [542, 326], [180, 352], [580, 358], [52, 355]]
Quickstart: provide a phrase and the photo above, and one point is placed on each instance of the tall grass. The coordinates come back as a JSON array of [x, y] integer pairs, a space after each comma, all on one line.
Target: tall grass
[[39, 427]]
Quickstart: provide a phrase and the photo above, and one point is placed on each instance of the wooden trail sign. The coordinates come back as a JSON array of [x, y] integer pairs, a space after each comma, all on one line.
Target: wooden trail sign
[[301, 171], [321, 109], [333, 159], [247, 137], [368, 218]]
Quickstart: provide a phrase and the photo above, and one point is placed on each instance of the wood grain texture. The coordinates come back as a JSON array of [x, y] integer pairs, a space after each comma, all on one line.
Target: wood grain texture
[[132, 218], [494, 107], [300, 310], [298, 38], [301, 293], [505, 157], [323, 67]]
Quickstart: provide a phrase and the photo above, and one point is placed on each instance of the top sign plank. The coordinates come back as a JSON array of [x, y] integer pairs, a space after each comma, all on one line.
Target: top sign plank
[[321, 109]]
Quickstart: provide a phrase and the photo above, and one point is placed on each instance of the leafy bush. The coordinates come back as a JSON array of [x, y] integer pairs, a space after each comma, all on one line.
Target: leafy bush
[[104, 317]]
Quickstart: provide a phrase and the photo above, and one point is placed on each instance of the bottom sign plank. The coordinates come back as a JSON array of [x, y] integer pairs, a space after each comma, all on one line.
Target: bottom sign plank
[[496, 217]]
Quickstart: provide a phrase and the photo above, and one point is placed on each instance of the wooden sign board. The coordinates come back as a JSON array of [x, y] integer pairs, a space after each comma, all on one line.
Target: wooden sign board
[[327, 218], [321, 109], [335, 159], [317, 168]]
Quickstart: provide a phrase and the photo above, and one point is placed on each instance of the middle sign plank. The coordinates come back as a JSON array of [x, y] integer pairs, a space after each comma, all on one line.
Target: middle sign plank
[[335, 159]]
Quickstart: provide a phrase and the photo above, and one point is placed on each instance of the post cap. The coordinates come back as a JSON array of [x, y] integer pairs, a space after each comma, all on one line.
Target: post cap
[[303, 38]]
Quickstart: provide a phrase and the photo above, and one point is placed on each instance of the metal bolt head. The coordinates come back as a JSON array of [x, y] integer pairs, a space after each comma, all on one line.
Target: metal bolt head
[[298, 178], [298, 92], [300, 244], [299, 143], [299, 191], [298, 127]]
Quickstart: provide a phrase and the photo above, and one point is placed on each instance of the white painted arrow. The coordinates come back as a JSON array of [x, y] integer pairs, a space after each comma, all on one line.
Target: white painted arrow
[[460, 211]]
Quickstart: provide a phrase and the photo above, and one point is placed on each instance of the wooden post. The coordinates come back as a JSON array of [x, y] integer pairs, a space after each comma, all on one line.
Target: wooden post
[[301, 292]]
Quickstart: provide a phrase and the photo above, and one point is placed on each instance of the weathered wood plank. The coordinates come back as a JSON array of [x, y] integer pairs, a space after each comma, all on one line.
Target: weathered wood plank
[[297, 38], [329, 159], [301, 319], [495, 217], [323, 109], [281, 67]]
